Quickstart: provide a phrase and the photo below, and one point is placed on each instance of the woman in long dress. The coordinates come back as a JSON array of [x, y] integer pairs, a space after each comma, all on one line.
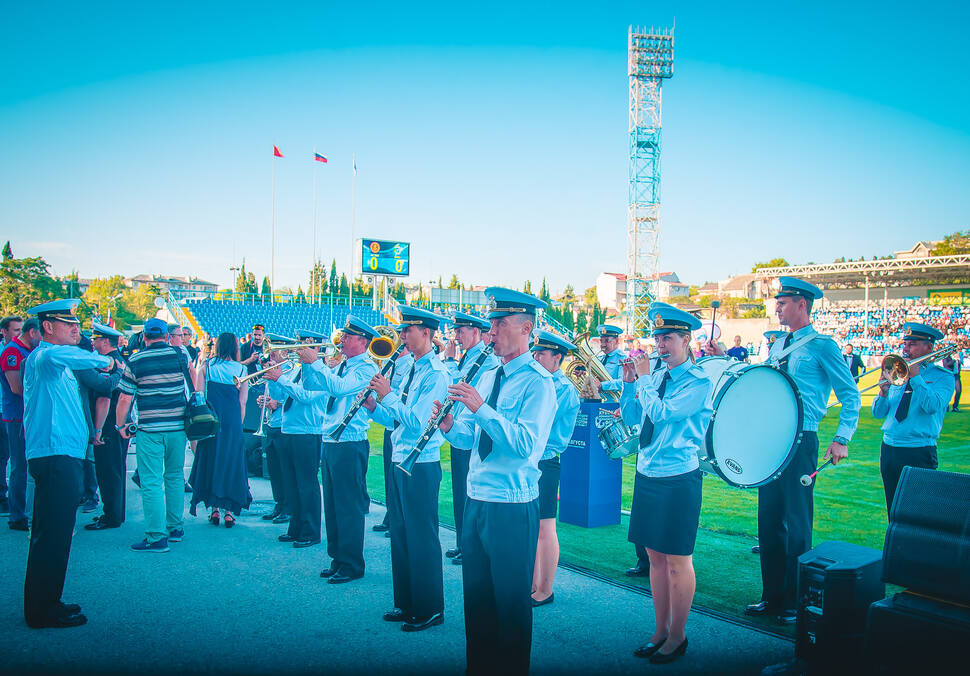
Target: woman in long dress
[[219, 479]]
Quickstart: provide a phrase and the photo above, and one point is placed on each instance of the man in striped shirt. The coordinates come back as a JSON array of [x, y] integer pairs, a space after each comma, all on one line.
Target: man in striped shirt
[[155, 375]]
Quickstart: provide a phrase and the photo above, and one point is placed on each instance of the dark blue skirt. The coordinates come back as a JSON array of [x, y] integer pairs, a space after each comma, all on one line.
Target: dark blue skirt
[[666, 512], [549, 488], [219, 478]]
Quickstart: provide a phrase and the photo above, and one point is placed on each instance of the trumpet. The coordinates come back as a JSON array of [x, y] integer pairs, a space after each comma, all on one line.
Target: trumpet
[[896, 368], [270, 346], [285, 367]]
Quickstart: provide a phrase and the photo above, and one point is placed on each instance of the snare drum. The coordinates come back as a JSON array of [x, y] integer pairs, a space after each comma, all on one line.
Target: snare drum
[[619, 439], [757, 422]]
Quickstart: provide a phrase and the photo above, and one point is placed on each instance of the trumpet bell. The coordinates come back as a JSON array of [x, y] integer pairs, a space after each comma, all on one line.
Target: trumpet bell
[[896, 369]]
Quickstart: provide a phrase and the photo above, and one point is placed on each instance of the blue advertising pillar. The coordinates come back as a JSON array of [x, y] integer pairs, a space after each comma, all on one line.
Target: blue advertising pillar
[[589, 483]]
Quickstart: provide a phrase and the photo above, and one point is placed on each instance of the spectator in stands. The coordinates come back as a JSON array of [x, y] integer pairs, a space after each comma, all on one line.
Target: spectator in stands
[[853, 361], [218, 477], [738, 352]]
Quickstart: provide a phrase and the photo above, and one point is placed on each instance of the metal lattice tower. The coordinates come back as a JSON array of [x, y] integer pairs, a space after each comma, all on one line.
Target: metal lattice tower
[[651, 59]]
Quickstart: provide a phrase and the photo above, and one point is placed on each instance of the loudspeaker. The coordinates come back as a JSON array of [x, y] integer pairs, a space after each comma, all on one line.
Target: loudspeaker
[[911, 634], [928, 541], [837, 582]]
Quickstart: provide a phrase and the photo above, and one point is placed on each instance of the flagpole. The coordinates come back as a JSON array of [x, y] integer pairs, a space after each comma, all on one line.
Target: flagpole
[[353, 219], [313, 267], [272, 268]]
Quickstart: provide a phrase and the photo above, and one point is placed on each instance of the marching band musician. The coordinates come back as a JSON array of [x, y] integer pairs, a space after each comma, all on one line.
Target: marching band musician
[[302, 420], [612, 357], [673, 406], [413, 501], [469, 330], [913, 411], [505, 420], [344, 464], [402, 366], [549, 350], [785, 507], [272, 401]]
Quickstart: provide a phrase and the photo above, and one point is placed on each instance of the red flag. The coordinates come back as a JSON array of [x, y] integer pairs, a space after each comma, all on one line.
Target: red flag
[[276, 152]]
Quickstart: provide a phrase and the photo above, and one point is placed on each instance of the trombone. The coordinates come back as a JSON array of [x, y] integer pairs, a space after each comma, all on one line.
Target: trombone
[[285, 367], [897, 367]]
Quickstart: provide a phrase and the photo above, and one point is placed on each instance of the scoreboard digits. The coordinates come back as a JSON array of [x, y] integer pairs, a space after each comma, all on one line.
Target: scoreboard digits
[[381, 257]]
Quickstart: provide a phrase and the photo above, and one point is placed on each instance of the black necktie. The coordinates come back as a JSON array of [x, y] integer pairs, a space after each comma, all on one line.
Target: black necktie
[[333, 400], [461, 362], [903, 409], [407, 386], [783, 362], [485, 441], [646, 432], [604, 358], [289, 400]]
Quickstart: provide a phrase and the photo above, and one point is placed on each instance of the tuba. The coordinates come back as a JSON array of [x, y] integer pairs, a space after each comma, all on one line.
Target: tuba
[[583, 357]]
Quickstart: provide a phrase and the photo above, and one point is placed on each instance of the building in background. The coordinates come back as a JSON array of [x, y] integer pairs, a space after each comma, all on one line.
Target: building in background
[[166, 284], [611, 288]]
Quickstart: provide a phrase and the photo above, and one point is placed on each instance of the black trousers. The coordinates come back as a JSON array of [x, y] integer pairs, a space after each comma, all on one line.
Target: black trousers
[[459, 490], [110, 464], [299, 459], [4, 457], [892, 459], [386, 452], [345, 502], [59, 483], [90, 491], [272, 447], [498, 549], [415, 548], [785, 517]]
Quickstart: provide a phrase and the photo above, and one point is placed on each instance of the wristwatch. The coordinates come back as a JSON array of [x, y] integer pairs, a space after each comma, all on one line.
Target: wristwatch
[[840, 440]]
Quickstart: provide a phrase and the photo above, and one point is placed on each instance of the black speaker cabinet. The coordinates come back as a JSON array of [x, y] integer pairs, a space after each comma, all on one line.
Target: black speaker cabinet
[[911, 634], [837, 582], [928, 542]]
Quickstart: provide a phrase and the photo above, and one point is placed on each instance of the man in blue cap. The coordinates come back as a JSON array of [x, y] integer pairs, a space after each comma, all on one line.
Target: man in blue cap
[[549, 350], [913, 411], [301, 422], [270, 400], [413, 502], [469, 330], [399, 371], [785, 507], [56, 440], [505, 420], [612, 357], [344, 461]]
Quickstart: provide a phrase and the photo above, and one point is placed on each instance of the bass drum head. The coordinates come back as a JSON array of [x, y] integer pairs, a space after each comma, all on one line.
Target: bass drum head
[[756, 426], [714, 367]]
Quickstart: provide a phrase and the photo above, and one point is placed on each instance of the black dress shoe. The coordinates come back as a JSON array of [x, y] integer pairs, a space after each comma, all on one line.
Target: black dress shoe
[[19, 524], [660, 658], [642, 569], [396, 615], [59, 621], [787, 617], [272, 515], [300, 544], [453, 552], [544, 602], [100, 524], [757, 609], [380, 528], [418, 624], [340, 578], [648, 649], [70, 608], [756, 549], [387, 533], [286, 537], [281, 518], [328, 572], [457, 560]]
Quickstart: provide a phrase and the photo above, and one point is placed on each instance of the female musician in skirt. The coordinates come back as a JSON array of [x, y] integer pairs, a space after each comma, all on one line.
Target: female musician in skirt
[[673, 405]]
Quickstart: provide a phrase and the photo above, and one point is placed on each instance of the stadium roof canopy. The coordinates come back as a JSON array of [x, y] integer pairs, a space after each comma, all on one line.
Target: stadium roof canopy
[[890, 271]]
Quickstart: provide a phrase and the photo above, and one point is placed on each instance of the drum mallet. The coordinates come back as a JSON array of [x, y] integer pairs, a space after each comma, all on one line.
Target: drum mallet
[[807, 479], [714, 304]]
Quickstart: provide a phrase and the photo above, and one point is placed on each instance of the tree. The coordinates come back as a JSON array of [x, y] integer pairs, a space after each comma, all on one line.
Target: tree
[[300, 298], [334, 282], [528, 287], [399, 293], [953, 244], [544, 292], [245, 281], [318, 280], [590, 297], [266, 291], [454, 283], [102, 296], [136, 305], [439, 282], [773, 263], [344, 289], [582, 322], [24, 283]]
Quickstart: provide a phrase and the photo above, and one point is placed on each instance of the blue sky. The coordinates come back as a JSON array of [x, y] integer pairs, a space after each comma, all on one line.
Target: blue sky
[[138, 138]]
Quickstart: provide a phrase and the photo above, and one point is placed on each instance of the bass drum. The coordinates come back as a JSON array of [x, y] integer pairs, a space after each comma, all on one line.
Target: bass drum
[[757, 422]]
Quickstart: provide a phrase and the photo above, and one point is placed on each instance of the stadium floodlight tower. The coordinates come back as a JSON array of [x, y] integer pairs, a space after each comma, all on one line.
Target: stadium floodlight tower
[[651, 60]]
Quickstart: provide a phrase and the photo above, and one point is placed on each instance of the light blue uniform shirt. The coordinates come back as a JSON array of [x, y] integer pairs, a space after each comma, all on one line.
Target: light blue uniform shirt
[[613, 365], [275, 393], [932, 392], [680, 419], [519, 426], [471, 354], [818, 367], [344, 390], [54, 422], [567, 408], [430, 382], [306, 414]]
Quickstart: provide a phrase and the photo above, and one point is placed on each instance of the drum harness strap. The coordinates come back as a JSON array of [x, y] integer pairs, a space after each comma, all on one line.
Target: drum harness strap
[[804, 340]]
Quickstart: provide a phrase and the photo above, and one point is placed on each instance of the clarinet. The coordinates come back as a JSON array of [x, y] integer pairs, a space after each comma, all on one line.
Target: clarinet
[[362, 397], [407, 465]]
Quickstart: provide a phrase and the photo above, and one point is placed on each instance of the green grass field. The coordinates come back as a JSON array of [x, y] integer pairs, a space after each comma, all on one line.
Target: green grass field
[[849, 506]]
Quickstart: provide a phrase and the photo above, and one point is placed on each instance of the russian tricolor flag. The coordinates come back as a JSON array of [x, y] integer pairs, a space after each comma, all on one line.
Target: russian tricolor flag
[[319, 158]]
